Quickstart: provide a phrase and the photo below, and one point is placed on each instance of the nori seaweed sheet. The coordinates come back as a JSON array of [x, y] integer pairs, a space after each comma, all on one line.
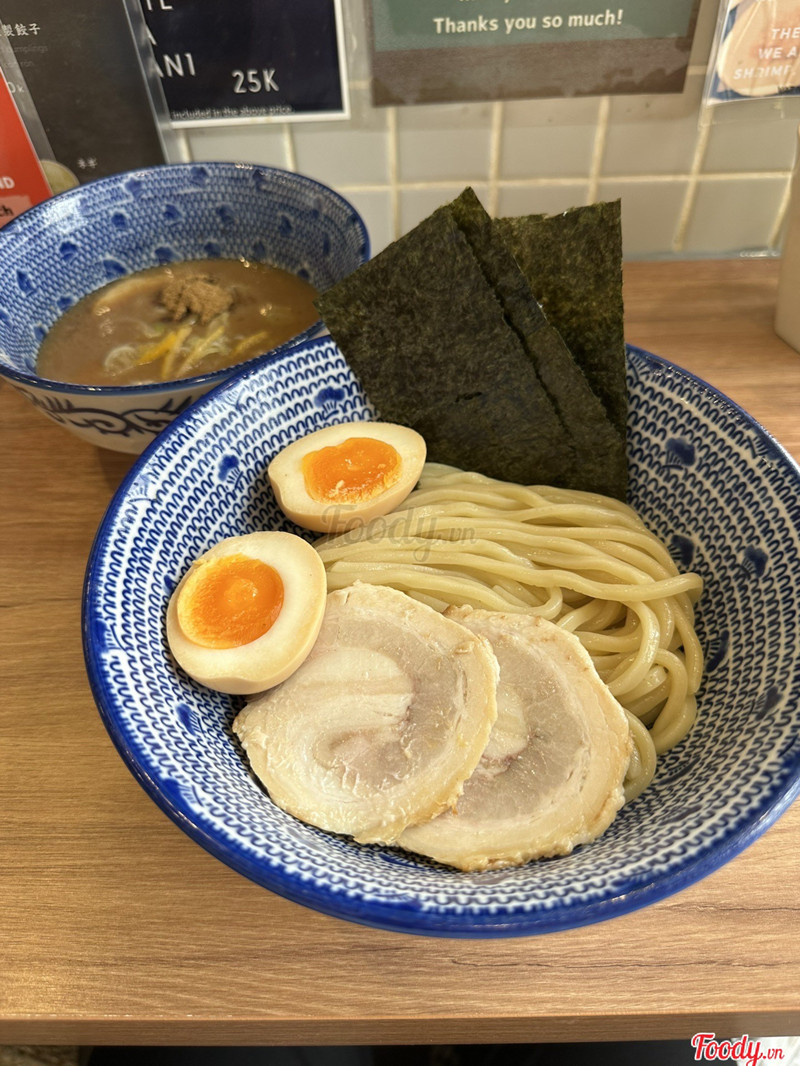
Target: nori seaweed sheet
[[600, 450], [573, 263], [423, 331]]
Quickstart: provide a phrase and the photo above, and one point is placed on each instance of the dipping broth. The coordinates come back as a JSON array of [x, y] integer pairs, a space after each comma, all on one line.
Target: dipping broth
[[176, 321]]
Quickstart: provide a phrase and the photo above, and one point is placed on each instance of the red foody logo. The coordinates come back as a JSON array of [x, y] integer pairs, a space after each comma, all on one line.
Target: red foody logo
[[707, 1047]]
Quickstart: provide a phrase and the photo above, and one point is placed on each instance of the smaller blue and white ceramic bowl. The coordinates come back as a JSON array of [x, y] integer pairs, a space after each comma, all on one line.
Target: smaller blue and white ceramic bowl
[[73, 244]]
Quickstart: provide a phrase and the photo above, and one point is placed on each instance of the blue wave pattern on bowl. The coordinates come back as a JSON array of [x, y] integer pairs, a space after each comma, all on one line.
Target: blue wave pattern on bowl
[[73, 244], [704, 476]]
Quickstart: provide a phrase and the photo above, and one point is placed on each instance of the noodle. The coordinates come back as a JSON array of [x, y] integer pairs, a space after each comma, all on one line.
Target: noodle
[[584, 561]]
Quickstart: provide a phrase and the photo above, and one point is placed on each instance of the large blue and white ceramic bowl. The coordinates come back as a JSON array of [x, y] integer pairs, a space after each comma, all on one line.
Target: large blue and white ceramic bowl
[[715, 486], [71, 245]]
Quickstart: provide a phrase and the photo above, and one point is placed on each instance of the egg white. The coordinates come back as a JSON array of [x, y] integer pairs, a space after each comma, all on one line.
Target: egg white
[[286, 476], [272, 657]]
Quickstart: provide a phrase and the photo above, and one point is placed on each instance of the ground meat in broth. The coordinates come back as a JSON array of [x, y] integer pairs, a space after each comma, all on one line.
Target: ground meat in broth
[[175, 321]]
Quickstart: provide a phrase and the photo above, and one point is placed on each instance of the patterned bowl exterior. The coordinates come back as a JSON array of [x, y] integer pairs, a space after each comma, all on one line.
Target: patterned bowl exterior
[[66, 247], [713, 484]]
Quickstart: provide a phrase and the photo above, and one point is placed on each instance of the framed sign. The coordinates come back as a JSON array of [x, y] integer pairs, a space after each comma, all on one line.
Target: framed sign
[[756, 52], [82, 71], [450, 50], [22, 179], [248, 61]]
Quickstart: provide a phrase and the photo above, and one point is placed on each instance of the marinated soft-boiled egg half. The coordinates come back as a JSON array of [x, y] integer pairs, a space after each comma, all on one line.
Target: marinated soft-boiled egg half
[[247, 612], [344, 475]]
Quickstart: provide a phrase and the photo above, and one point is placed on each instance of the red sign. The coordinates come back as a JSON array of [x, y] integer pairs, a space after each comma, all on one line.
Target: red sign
[[22, 181]]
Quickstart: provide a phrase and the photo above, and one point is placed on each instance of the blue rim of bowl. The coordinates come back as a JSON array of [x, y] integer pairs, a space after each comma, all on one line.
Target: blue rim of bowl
[[403, 918], [201, 380]]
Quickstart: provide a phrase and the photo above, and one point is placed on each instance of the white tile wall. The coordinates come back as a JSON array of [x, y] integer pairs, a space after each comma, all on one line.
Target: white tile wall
[[354, 152], [545, 198], [548, 138], [416, 202], [693, 180], [447, 142], [751, 135], [651, 211], [738, 210], [650, 135]]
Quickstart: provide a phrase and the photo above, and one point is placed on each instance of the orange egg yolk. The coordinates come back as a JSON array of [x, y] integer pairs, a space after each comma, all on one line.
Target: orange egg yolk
[[356, 470], [229, 601]]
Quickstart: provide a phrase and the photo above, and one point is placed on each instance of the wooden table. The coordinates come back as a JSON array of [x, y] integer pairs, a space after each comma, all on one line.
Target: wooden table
[[116, 928]]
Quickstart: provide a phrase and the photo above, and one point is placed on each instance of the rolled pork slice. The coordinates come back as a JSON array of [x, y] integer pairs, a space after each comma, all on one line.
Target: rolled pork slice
[[552, 774], [383, 722]]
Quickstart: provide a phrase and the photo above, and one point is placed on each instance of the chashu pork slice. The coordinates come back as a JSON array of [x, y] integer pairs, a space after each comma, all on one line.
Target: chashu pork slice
[[552, 773], [383, 722]]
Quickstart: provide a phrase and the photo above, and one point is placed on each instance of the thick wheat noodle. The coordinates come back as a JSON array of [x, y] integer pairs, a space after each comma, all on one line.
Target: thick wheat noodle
[[628, 546], [485, 557], [584, 561], [446, 588], [678, 714], [650, 693], [642, 766], [636, 666], [591, 617]]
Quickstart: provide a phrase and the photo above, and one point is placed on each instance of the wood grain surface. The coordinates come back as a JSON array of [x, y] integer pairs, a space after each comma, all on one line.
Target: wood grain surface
[[116, 928]]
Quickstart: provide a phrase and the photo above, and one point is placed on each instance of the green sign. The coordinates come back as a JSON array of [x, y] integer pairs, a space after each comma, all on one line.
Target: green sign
[[403, 25], [436, 51]]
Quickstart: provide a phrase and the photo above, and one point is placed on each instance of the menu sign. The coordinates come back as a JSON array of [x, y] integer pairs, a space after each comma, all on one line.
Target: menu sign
[[255, 60], [82, 70], [450, 50], [22, 181]]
